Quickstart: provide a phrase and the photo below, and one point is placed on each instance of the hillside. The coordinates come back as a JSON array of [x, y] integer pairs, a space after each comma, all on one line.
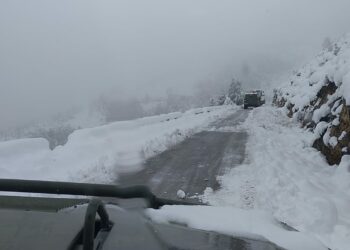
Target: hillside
[[318, 96]]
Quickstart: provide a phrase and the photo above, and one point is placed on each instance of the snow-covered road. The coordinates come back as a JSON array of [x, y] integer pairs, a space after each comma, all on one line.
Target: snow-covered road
[[282, 176], [289, 179], [194, 164]]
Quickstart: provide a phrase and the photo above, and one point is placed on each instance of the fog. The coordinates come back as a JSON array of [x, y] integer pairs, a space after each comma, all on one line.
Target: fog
[[56, 54]]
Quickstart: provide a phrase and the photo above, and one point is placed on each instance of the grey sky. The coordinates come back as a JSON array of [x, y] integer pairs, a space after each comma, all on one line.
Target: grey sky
[[54, 54]]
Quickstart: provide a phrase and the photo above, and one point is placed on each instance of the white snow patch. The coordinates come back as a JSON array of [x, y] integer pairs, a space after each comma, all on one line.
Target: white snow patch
[[208, 190], [338, 110], [256, 224], [333, 141], [321, 112], [341, 137], [336, 122], [320, 128], [181, 194], [346, 84], [326, 137]]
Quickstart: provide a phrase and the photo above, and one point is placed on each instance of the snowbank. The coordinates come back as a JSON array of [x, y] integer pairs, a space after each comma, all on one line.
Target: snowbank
[[99, 154], [255, 224], [286, 177], [320, 92]]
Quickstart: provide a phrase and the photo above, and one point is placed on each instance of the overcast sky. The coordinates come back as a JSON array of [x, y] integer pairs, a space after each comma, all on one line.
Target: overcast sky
[[54, 54]]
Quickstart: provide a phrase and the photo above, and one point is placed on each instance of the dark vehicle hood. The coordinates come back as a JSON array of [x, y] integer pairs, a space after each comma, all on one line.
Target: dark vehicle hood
[[54, 223]]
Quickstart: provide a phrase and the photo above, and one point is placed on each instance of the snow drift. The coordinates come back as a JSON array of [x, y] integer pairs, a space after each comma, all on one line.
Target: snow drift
[[99, 154]]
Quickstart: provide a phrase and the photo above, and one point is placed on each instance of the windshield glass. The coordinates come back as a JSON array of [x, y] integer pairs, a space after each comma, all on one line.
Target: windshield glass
[[239, 106]]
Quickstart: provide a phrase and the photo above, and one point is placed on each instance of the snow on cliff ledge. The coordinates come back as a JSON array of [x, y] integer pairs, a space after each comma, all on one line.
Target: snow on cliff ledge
[[332, 63], [99, 154], [318, 96]]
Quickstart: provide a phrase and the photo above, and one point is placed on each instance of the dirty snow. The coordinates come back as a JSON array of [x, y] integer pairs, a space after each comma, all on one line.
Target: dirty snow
[[284, 176], [99, 154]]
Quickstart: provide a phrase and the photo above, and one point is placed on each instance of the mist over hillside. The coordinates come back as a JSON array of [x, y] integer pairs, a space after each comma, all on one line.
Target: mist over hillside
[[110, 108]]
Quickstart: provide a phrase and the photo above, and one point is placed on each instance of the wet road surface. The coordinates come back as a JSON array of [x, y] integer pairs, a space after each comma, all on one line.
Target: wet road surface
[[194, 164]]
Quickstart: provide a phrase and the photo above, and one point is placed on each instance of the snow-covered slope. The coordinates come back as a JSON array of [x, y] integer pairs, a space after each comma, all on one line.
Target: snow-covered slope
[[99, 154], [330, 65], [318, 96]]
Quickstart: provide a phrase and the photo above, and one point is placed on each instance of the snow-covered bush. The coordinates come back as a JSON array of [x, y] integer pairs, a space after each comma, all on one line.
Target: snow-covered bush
[[318, 96], [233, 94], [235, 91]]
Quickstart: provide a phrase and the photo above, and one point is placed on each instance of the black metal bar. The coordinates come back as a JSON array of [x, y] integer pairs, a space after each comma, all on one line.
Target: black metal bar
[[95, 206], [86, 189], [162, 202]]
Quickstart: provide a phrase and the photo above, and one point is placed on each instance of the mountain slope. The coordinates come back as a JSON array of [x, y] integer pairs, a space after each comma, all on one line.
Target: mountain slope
[[318, 96]]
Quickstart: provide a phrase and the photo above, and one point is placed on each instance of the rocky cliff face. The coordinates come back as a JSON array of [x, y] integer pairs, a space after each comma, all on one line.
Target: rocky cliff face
[[318, 96]]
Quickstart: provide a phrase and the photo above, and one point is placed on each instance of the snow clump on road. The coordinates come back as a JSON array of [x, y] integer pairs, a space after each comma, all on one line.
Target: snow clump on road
[[181, 194]]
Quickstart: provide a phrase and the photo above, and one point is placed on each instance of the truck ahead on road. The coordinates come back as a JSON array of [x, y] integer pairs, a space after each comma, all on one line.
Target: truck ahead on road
[[254, 98]]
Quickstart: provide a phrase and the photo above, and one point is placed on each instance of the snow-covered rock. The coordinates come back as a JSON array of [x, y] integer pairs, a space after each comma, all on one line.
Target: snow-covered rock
[[319, 93]]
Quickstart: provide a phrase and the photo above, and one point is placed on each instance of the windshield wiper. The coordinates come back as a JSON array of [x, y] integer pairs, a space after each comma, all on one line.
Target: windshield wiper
[[88, 189]]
